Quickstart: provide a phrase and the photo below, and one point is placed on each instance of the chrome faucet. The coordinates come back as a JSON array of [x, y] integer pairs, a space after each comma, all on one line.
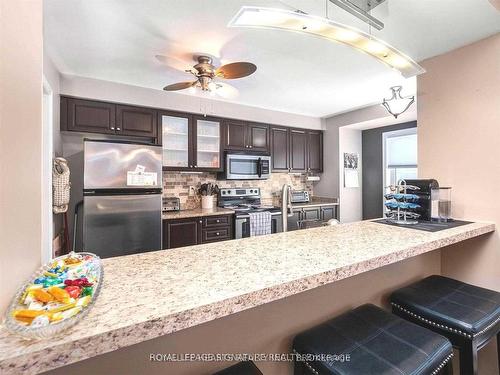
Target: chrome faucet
[[286, 205]]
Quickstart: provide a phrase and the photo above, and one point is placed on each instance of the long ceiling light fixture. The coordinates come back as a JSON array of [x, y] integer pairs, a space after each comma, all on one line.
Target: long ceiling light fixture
[[281, 19]]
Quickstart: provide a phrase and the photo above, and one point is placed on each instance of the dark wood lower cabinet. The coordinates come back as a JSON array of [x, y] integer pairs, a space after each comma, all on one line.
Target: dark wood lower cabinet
[[293, 221], [328, 212], [180, 232], [197, 230], [323, 213], [311, 214]]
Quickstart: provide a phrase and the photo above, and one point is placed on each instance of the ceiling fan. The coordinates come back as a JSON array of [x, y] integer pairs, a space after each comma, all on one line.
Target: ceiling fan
[[205, 73]]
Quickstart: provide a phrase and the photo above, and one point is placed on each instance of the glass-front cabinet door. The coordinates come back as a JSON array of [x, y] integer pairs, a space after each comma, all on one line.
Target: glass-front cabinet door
[[176, 141], [208, 143]]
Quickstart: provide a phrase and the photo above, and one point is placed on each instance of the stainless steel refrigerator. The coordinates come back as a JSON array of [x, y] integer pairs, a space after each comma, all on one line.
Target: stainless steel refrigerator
[[121, 197]]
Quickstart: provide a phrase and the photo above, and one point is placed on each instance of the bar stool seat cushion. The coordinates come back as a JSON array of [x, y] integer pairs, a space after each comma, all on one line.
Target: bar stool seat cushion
[[376, 341], [451, 304], [241, 368]]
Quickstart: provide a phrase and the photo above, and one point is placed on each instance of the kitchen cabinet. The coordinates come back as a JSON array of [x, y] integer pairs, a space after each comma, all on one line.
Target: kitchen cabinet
[[195, 143], [328, 212], [323, 213], [280, 140], [87, 116], [240, 135], [197, 230], [311, 213], [92, 116], [190, 143], [136, 121], [298, 150], [315, 151], [293, 221], [180, 232], [258, 137]]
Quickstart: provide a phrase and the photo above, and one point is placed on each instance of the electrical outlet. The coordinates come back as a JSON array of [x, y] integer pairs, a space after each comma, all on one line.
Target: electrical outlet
[[192, 191]]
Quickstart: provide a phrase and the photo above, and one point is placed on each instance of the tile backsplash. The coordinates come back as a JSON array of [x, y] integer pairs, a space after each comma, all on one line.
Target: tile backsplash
[[177, 184]]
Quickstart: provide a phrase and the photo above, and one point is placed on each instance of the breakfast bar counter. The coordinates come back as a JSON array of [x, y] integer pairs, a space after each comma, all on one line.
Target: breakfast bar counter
[[148, 295]]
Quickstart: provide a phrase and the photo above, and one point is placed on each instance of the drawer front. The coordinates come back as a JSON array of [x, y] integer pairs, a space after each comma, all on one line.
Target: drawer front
[[216, 221], [212, 235]]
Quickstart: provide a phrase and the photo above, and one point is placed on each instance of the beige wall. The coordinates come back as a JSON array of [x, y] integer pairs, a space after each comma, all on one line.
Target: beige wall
[[265, 329], [21, 52], [459, 145]]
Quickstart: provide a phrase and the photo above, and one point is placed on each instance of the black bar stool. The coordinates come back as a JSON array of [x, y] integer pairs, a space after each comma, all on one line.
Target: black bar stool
[[241, 368], [369, 340], [468, 315]]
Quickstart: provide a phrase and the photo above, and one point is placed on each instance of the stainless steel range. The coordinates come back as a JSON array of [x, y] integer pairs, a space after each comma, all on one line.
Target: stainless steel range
[[243, 201]]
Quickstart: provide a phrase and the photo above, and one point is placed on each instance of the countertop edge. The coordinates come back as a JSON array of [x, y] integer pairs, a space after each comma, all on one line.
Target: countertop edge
[[124, 336]]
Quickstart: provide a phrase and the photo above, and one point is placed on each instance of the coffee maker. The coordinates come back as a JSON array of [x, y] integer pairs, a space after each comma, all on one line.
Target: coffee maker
[[424, 193]]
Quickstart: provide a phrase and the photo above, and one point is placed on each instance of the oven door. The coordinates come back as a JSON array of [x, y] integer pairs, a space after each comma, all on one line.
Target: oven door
[[242, 225], [247, 167]]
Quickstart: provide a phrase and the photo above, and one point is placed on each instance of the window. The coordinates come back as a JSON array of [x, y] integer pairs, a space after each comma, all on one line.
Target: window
[[400, 155]]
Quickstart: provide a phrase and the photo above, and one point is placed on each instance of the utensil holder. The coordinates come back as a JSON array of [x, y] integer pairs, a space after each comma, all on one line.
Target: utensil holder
[[207, 202]]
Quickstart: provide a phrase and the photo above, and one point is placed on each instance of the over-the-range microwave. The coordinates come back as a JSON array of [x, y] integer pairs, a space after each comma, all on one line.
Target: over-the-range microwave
[[247, 166]]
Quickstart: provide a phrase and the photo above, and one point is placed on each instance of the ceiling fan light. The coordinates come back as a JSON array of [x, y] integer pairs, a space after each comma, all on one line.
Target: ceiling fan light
[[271, 18], [212, 86], [397, 104]]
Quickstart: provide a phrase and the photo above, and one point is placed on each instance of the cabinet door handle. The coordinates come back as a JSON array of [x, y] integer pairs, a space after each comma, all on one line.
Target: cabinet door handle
[[118, 129], [200, 221], [250, 146], [112, 128], [217, 233], [218, 221], [196, 166]]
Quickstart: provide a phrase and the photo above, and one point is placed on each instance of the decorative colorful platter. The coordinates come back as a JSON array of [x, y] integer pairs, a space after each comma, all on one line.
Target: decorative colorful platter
[[56, 297]]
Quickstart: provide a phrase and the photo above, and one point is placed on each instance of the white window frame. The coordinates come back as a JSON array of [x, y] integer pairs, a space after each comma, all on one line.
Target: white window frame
[[385, 136]]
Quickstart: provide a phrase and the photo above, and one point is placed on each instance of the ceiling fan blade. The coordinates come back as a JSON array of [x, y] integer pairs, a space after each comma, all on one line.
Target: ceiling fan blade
[[179, 86], [236, 70], [226, 91]]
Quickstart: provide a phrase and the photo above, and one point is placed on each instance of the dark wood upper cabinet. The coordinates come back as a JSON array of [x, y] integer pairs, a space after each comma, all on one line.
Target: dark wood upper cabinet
[[136, 121], [88, 116], [315, 151], [193, 142], [280, 149], [298, 150], [239, 135], [258, 137], [235, 135]]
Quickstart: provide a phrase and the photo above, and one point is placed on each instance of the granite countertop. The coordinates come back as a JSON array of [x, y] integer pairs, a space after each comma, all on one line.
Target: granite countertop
[[316, 202], [157, 293], [197, 212]]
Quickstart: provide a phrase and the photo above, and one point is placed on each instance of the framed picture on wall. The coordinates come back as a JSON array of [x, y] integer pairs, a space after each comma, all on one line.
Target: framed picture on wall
[[351, 176]]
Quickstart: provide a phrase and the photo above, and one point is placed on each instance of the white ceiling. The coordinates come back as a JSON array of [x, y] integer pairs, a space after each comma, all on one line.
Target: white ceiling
[[117, 40]]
